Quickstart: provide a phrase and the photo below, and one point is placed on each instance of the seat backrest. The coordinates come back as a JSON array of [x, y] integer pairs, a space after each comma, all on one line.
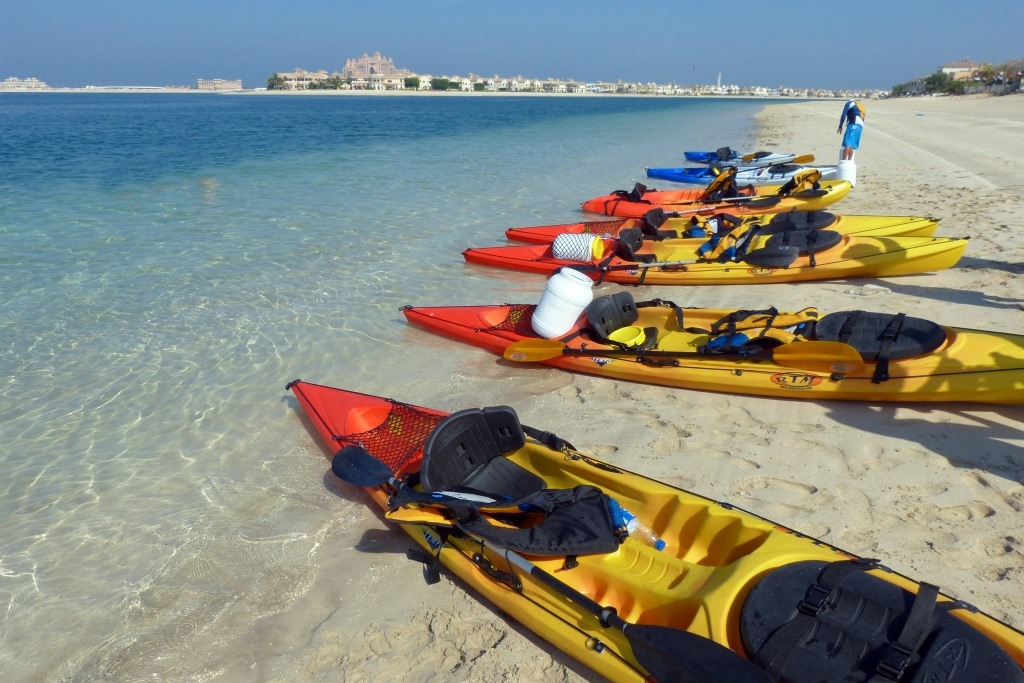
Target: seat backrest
[[464, 443]]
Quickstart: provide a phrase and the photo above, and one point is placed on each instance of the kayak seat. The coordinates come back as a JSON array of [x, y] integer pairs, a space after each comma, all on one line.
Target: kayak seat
[[466, 450], [651, 223], [629, 243], [817, 621], [634, 195], [784, 168], [609, 313], [807, 241], [881, 335], [465, 453], [799, 220]]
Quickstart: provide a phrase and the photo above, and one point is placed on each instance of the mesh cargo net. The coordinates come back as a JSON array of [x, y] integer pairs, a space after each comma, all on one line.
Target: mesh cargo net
[[519, 320], [602, 227], [398, 441]]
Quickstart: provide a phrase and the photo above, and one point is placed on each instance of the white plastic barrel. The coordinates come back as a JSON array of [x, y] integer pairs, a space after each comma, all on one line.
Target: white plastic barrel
[[565, 297], [577, 247], [847, 170]]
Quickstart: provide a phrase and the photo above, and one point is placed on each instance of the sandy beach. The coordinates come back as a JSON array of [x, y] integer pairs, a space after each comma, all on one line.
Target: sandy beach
[[935, 492]]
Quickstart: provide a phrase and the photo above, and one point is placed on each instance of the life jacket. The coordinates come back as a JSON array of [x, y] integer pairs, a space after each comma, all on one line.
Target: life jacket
[[765, 328], [803, 181], [723, 186], [730, 246]]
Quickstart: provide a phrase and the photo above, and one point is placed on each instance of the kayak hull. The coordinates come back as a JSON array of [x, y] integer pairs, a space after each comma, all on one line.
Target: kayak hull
[[909, 226], [853, 256], [690, 201], [764, 175], [970, 365], [715, 555], [753, 159]]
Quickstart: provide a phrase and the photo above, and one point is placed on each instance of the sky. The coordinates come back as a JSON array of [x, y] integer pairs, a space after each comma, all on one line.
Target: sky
[[865, 44]]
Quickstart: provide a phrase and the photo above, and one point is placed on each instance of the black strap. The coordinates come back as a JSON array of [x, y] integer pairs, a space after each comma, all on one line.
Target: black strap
[[892, 330], [901, 653], [846, 331], [431, 562], [549, 439], [667, 304]]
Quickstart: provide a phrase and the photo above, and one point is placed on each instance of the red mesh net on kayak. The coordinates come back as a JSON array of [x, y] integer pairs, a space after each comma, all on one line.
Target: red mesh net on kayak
[[398, 441], [519, 320], [602, 227]]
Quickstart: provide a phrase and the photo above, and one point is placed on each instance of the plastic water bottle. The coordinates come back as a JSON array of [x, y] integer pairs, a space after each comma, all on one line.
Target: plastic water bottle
[[635, 528]]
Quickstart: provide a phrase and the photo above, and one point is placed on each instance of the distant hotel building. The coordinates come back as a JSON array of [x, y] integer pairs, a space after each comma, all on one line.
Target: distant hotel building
[[366, 73], [218, 84], [22, 84]]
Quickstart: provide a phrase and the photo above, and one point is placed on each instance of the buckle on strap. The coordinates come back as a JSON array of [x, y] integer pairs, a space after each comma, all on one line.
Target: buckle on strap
[[895, 661], [816, 599]]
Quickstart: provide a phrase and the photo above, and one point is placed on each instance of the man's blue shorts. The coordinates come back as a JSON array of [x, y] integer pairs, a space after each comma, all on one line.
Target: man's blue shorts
[[851, 138]]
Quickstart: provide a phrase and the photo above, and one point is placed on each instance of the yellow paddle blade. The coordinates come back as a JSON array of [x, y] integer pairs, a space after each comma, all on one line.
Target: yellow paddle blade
[[419, 515], [820, 356], [805, 159], [533, 350]]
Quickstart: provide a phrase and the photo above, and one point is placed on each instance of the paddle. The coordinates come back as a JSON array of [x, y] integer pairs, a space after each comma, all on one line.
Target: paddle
[[773, 257], [349, 464], [668, 654], [754, 201], [815, 356], [802, 159]]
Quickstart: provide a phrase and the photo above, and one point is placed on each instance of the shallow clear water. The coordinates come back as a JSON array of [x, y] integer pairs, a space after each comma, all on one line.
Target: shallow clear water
[[169, 262]]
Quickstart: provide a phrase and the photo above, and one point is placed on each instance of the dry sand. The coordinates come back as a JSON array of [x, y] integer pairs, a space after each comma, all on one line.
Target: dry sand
[[936, 492]]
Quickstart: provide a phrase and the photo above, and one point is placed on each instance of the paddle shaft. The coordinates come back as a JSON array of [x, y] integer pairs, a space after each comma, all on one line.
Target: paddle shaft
[[817, 356]]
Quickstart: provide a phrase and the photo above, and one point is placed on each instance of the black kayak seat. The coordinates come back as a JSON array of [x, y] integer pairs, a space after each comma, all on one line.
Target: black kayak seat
[[807, 241], [805, 624], [466, 450], [799, 220], [774, 256], [871, 333], [609, 313]]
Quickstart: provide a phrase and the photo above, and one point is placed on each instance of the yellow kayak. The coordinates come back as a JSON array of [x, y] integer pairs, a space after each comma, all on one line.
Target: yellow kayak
[[637, 579], [848, 355], [660, 225], [754, 259]]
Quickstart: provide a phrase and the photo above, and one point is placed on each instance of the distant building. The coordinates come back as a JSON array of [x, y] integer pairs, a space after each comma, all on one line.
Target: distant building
[[960, 70], [300, 79], [366, 67], [22, 84], [218, 84]]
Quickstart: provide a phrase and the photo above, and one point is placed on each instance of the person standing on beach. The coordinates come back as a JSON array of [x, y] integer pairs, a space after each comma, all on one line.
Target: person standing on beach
[[853, 116]]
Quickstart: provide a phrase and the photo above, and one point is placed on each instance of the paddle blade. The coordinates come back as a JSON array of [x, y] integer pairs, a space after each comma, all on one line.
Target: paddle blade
[[803, 159], [533, 350], [356, 466], [820, 356], [671, 654]]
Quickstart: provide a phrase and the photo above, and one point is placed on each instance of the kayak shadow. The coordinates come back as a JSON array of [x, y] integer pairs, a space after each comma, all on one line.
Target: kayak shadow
[[971, 436], [950, 295], [974, 263]]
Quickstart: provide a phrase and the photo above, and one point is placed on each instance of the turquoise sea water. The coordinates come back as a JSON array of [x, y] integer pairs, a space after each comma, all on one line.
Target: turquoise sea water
[[169, 262]]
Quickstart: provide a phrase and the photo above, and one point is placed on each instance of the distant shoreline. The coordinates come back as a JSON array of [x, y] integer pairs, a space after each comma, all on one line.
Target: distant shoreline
[[387, 93]]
